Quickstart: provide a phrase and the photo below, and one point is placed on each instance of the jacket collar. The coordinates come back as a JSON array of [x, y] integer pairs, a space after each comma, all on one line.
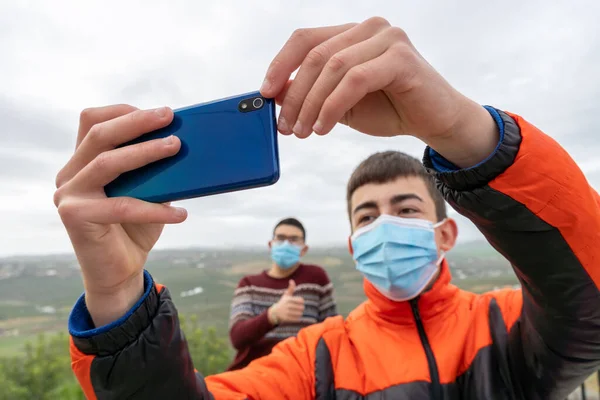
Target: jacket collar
[[439, 300]]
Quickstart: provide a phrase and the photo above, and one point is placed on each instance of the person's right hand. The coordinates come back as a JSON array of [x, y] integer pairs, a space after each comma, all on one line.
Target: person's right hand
[[289, 308], [112, 236]]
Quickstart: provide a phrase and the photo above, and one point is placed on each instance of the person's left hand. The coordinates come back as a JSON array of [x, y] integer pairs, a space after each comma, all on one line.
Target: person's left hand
[[368, 76]]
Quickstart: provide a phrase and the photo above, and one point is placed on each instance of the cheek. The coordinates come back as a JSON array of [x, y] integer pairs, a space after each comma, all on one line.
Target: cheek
[[439, 240]]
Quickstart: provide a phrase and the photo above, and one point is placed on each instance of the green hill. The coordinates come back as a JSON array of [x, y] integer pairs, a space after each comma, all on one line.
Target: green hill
[[37, 293]]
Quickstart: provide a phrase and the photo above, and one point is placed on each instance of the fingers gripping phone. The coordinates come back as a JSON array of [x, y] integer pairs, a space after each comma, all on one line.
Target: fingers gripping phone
[[226, 145]]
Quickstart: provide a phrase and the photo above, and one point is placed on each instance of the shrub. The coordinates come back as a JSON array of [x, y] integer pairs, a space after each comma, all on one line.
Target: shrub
[[43, 370]]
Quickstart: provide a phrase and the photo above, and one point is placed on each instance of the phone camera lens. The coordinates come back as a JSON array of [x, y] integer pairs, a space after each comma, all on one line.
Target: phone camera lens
[[257, 102]]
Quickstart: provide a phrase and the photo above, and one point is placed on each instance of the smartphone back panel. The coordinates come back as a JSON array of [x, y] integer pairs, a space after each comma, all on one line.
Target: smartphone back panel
[[223, 149]]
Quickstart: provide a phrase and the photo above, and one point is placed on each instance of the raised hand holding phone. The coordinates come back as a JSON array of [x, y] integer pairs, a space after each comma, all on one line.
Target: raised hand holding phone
[[112, 236], [126, 160]]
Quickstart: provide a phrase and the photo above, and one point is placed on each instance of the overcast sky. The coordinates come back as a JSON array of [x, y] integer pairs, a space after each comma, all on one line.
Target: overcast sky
[[539, 59]]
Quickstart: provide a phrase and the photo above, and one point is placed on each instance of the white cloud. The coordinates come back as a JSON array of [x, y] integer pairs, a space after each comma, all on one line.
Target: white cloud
[[536, 58]]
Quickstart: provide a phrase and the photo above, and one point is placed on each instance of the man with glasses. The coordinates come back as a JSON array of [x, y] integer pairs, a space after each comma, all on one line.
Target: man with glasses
[[275, 304]]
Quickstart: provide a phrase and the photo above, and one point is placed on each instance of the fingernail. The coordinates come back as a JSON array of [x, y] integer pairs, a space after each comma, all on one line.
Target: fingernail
[[168, 140], [266, 85], [161, 112], [180, 212], [317, 127], [297, 128], [282, 125]]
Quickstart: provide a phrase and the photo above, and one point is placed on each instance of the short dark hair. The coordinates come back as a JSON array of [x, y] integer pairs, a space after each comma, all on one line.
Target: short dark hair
[[387, 166], [292, 222]]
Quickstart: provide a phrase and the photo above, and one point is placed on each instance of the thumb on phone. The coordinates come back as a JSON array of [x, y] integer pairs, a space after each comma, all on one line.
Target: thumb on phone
[[291, 288]]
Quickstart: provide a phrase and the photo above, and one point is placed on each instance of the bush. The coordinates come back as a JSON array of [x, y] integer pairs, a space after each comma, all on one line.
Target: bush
[[210, 353], [43, 371]]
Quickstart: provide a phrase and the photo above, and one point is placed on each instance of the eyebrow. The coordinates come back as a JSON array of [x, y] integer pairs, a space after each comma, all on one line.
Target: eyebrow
[[399, 198]]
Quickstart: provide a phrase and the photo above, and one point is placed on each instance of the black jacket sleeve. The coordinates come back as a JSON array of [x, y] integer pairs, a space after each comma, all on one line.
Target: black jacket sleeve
[[147, 341]]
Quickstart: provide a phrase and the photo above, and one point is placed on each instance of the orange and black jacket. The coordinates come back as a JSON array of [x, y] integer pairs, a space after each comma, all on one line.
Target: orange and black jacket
[[535, 207]]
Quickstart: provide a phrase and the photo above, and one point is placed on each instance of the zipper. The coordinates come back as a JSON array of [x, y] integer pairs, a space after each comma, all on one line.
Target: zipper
[[435, 388]]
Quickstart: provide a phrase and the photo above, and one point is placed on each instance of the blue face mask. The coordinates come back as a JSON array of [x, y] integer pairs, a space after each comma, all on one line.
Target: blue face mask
[[397, 255], [285, 254]]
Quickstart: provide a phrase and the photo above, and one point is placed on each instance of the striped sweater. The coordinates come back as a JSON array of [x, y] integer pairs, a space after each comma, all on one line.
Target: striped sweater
[[250, 331]]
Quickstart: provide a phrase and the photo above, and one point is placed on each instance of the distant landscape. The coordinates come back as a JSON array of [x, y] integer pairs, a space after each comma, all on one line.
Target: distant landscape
[[37, 292]]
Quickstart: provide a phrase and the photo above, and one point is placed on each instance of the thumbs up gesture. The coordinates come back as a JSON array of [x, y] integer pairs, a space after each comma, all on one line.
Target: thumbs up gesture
[[289, 308]]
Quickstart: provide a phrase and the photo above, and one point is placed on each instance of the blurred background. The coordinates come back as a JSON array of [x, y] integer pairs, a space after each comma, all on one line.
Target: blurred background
[[537, 59]]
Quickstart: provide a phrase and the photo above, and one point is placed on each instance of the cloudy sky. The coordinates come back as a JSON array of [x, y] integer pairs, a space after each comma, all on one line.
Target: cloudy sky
[[538, 59]]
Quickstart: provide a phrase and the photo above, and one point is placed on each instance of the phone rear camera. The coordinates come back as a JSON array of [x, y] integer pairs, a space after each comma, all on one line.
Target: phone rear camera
[[257, 103], [251, 104]]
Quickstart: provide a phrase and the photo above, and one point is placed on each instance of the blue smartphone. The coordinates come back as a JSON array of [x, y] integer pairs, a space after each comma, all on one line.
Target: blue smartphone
[[226, 145]]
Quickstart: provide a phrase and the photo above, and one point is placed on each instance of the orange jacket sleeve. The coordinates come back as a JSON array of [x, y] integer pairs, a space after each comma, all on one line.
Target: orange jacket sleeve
[[287, 373], [533, 204]]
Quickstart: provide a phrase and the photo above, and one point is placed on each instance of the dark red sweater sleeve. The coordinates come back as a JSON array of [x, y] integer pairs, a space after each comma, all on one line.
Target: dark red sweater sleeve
[[246, 332], [246, 328]]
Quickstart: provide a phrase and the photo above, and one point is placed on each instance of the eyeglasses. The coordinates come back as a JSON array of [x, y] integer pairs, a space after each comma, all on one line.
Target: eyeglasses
[[291, 239]]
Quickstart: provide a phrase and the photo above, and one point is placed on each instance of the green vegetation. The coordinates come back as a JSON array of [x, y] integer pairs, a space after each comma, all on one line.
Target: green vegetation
[[43, 370]]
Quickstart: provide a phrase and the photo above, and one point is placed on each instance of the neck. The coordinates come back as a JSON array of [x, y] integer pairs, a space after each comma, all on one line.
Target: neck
[[433, 280], [278, 272]]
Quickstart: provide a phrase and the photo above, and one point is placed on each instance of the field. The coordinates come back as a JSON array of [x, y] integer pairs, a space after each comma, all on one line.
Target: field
[[37, 293]]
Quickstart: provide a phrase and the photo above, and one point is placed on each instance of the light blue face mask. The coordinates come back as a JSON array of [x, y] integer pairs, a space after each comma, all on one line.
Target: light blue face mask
[[285, 254], [397, 255]]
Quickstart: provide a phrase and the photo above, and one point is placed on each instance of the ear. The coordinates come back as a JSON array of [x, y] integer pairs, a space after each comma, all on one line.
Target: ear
[[350, 249], [269, 243], [304, 251], [448, 234]]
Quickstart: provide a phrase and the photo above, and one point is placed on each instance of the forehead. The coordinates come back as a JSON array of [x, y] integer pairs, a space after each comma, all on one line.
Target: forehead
[[288, 230], [382, 193]]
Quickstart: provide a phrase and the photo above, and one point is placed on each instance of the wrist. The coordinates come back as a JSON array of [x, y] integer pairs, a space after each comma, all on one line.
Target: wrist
[[272, 315], [472, 138], [106, 306]]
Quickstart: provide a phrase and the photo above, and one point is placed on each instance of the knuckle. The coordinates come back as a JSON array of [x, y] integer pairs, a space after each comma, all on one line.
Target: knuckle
[[87, 114], [337, 63], [329, 106], [357, 76], [405, 53], [60, 179], [300, 34], [137, 115], [397, 34], [121, 206], [317, 57], [58, 196], [277, 61], [292, 99], [68, 211], [102, 161], [377, 21], [307, 107], [95, 133]]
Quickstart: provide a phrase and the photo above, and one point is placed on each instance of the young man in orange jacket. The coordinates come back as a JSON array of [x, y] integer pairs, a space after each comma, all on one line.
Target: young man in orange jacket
[[417, 336]]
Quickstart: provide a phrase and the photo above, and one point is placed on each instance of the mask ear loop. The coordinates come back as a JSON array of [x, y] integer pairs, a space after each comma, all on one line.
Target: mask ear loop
[[442, 252], [438, 224], [440, 258]]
